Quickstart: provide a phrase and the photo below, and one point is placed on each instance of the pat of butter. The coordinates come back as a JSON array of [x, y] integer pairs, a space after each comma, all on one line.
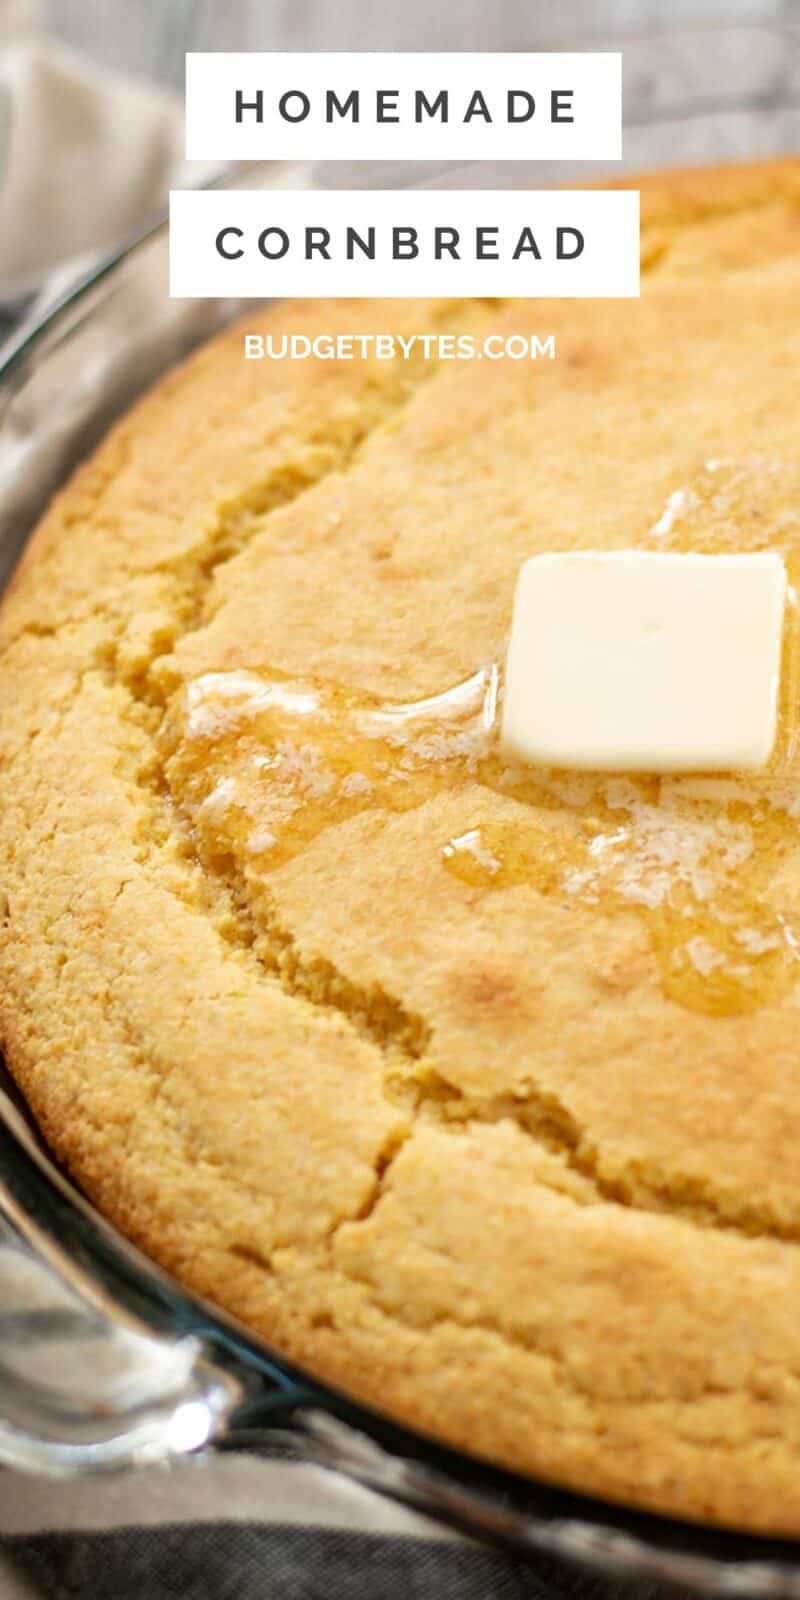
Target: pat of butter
[[631, 661]]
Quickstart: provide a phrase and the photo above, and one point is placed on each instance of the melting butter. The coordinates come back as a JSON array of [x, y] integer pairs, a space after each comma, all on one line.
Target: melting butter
[[289, 759], [700, 887], [263, 764]]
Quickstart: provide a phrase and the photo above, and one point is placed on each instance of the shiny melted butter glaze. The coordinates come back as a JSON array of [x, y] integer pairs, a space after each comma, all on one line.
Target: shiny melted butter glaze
[[263, 764], [696, 871]]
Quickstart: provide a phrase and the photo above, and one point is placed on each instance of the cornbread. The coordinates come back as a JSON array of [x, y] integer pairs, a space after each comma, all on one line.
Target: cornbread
[[473, 1089]]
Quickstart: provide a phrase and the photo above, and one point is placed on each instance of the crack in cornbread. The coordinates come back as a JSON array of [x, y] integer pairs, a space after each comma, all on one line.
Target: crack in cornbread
[[447, 1142]]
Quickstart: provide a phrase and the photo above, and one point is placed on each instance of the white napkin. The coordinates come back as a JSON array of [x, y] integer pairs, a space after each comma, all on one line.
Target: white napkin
[[86, 155]]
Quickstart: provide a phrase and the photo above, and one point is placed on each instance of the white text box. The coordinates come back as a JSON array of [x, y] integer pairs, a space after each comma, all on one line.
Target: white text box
[[503, 106], [468, 242]]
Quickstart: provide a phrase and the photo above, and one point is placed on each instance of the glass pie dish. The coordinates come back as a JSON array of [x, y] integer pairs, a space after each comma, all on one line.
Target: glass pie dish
[[105, 1361]]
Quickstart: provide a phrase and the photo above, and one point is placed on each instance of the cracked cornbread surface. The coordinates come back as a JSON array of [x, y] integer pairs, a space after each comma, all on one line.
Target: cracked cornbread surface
[[476, 1093]]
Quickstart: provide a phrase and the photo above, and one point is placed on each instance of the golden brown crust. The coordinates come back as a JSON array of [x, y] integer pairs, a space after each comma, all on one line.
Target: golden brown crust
[[460, 1152]]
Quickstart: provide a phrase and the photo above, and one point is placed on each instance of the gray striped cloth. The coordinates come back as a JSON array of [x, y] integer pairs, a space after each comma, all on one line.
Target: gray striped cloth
[[235, 1526]]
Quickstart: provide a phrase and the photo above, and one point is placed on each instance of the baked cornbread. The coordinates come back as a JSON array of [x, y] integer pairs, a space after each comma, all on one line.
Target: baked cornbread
[[475, 1091]]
